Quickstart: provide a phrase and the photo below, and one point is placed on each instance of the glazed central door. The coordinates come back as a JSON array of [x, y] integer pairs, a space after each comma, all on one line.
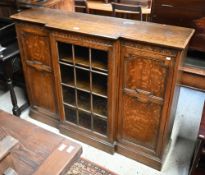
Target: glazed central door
[[85, 69]]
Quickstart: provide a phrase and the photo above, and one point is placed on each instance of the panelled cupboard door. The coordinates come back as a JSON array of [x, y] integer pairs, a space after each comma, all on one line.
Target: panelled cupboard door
[[37, 67], [143, 88], [41, 88]]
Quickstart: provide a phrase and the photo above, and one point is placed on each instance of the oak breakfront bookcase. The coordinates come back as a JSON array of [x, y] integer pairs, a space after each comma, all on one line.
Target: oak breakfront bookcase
[[109, 82]]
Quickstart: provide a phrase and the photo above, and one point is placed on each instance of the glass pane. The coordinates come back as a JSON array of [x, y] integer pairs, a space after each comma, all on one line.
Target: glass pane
[[85, 119], [99, 60], [67, 75], [65, 52], [100, 125], [84, 100], [99, 84], [68, 95], [83, 80], [70, 114], [100, 105], [82, 56]]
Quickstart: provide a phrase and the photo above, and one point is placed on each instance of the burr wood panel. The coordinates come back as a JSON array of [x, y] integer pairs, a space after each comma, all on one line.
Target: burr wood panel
[[38, 71], [140, 122], [146, 78], [145, 74], [38, 50]]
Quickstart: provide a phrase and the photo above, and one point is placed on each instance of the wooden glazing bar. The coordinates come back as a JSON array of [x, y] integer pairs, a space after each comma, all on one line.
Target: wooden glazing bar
[[75, 83]]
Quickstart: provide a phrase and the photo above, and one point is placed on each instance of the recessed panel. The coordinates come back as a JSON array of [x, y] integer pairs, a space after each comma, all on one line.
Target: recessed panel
[[145, 74], [140, 121]]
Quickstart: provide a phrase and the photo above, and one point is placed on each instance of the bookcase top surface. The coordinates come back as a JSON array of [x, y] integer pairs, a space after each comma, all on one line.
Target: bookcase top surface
[[109, 27]]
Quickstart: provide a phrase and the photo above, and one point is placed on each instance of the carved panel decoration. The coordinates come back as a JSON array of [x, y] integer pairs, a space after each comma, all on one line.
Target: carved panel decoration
[[42, 82], [37, 48], [141, 121], [84, 38], [150, 48], [146, 74]]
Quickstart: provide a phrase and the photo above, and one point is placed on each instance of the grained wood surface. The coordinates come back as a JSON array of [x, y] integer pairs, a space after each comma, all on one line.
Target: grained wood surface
[[67, 5], [177, 12], [101, 6], [145, 78], [142, 75], [6, 144], [39, 49], [140, 121], [146, 84], [38, 147], [37, 65], [193, 77], [165, 35], [8, 7], [46, 3]]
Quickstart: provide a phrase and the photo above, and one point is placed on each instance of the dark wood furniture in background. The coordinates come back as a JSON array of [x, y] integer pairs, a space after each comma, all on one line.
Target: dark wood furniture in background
[[143, 3], [37, 151], [10, 65], [101, 8], [180, 13], [126, 9], [198, 161], [81, 6], [7, 36], [114, 88], [191, 14], [193, 71], [9, 7], [67, 5]]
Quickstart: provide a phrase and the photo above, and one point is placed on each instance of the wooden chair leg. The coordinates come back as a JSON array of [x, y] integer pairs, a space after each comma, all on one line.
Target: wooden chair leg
[[16, 110]]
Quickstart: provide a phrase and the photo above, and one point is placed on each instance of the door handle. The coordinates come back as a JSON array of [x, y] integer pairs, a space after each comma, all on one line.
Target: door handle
[[167, 5], [36, 62], [143, 92], [38, 65]]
